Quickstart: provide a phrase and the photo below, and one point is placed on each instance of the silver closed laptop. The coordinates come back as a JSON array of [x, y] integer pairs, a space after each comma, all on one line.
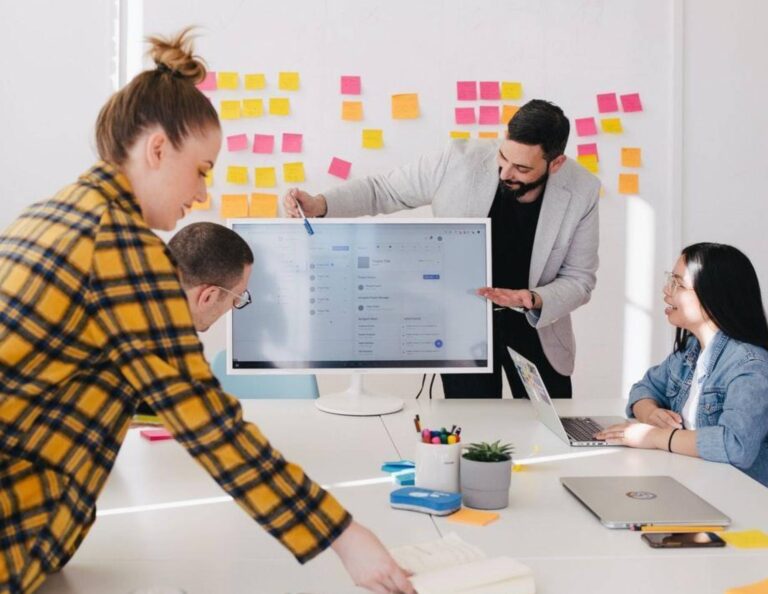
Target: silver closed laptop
[[636, 501]]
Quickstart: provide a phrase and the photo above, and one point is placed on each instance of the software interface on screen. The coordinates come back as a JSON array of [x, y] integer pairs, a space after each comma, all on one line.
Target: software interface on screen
[[363, 295]]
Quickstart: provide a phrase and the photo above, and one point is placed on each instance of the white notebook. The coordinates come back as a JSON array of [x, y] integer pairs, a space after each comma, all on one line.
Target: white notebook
[[452, 566]]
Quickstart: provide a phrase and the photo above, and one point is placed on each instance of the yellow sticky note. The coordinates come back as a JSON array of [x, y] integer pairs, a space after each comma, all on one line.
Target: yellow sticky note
[[756, 588], [234, 206], [293, 172], [629, 183], [487, 134], [588, 162], [227, 80], [373, 139], [459, 134], [405, 106], [352, 111], [611, 125], [230, 110], [746, 539], [202, 205], [263, 205], [280, 106], [288, 81], [237, 174], [473, 516], [511, 90], [507, 111], [519, 468], [255, 82], [209, 178], [631, 157], [265, 177], [253, 108]]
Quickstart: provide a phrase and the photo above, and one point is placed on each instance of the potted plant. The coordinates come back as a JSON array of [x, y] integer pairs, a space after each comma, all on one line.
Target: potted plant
[[486, 473]]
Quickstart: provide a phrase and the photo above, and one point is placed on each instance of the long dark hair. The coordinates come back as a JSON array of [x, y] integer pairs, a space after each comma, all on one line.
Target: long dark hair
[[726, 284]]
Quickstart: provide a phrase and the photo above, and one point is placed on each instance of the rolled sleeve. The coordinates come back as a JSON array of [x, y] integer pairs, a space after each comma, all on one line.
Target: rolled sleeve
[[653, 386]]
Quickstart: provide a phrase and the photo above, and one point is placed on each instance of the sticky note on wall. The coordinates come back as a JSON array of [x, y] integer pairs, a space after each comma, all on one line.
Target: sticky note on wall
[[589, 162], [263, 205], [233, 206], [288, 81], [339, 168], [629, 183], [586, 126], [405, 106], [465, 115], [350, 85], [489, 115], [373, 139], [263, 143], [237, 174], [511, 90], [202, 205], [588, 149], [228, 80], [462, 134], [489, 90], [607, 103], [487, 134], [466, 90], [631, 102], [237, 142], [631, 157], [279, 106], [253, 108], [208, 83], [507, 113], [292, 143], [293, 172], [265, 177], [229, 110], [255, 81], [611, 125], [352, 111]]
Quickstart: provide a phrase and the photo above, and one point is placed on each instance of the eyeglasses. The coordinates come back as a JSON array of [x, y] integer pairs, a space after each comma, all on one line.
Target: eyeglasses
[[672, 283], [241, 299]]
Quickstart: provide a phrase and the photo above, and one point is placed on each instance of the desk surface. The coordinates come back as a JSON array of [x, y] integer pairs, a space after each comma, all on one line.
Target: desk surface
[[203, 543]]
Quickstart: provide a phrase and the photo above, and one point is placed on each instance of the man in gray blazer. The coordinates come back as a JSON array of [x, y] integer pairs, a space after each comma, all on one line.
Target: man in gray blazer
[[544, 228]]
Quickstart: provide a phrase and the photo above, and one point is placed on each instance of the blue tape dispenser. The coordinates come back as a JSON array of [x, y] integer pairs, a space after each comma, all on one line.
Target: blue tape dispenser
[[428, 501]]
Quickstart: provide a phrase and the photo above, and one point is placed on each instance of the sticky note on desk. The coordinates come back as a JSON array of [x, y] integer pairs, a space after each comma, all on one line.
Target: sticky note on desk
[[473, 516], [756, 588], [746, 539], [405, 106], [155, 434]]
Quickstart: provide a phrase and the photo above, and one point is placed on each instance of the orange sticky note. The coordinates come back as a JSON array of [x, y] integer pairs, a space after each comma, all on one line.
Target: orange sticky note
[[629, 183], [405, 106], [487, 134], [473, 516], [630, 157], [459, 134], [756, 588], [237, 174], [588, 162], [255, 82], [373, 139], [265, 177], [234, 206], [229, 110], [263, 205], [227, 80], [293, 172], [507, 111], [288, 81], [746, 539], [280, 106], [352, 111], [511, 90], [611, 125], [202, 205], [253, 108]]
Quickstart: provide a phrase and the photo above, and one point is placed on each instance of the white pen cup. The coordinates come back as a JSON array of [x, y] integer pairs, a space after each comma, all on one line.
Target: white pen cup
[[437, 466]]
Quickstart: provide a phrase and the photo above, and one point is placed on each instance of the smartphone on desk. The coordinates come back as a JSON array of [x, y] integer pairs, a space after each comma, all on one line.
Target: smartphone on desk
[[680, 540]]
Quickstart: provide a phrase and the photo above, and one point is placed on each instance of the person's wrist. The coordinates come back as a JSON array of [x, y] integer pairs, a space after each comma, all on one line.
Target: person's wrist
[[323, 206], [535, 299]]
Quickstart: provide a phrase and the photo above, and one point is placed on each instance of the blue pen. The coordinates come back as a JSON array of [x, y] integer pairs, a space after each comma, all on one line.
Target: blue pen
[[307, 226]]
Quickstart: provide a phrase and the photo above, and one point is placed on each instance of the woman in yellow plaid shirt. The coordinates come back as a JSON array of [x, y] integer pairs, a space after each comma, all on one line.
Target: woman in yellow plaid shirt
[[93, 319]]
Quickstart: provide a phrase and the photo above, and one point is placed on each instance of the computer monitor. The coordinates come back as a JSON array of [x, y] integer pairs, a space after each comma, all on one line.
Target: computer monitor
[[384, 295]]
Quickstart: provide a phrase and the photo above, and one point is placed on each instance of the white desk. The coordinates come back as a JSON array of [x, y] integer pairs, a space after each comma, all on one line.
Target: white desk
[[216, 548]]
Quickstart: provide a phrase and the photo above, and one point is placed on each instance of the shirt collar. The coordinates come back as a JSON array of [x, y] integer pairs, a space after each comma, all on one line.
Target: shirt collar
[[113, 184], [705, 359]]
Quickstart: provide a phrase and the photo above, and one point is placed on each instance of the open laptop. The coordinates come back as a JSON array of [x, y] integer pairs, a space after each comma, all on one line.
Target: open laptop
[[636, 501], [577, 431]]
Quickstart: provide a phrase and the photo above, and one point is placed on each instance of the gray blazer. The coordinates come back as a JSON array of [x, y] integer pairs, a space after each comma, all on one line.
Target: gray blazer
[[461, 181]]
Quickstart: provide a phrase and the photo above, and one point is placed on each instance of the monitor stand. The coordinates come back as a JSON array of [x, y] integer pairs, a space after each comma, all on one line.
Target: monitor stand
[[357, 402]]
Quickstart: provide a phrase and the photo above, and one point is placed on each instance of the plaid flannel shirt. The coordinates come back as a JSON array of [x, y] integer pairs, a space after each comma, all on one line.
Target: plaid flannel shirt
[[92, 320]]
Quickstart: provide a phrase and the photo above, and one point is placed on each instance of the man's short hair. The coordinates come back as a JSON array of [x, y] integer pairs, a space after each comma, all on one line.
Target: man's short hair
[[210, 254], [542, 123]]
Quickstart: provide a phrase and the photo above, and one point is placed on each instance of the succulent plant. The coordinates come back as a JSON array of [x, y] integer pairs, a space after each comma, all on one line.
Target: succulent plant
[[489, 452]]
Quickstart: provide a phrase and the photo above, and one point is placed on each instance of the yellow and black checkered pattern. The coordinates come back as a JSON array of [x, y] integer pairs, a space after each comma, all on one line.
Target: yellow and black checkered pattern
[[92, 320]]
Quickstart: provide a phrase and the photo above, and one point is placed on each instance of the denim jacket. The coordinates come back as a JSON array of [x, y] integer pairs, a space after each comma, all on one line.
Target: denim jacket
[[732, 416]]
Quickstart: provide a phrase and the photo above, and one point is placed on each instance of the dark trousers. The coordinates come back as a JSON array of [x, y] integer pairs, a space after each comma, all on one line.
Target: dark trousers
[[518, 334]]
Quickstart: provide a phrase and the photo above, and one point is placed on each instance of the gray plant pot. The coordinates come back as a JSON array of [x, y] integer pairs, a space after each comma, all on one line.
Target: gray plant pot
[[485, 485]]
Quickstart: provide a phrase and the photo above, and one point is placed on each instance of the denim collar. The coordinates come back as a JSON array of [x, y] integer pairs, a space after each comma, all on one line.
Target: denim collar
[[713, 352]]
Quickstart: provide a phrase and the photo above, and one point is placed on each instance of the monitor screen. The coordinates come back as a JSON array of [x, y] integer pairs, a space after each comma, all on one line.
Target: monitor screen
[[367, 294]]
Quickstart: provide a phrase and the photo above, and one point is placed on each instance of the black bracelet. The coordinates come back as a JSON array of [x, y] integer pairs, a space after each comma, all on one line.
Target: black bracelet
[[669, 443]]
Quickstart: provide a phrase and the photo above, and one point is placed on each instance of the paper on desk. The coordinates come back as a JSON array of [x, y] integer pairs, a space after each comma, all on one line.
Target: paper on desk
[[756, 588], [474, 517], [746, 539]]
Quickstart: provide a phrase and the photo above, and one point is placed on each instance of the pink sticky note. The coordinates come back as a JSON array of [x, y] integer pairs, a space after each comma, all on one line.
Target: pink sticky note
[[586, 126], [292, 143], [489, 114], [587, 149], [350, 85], [466, 90], [465, 115], [631, 102], [606, 103], [489, 90], [155, 434], [208, 83], [339, 168], [238, 142], [263, 143]]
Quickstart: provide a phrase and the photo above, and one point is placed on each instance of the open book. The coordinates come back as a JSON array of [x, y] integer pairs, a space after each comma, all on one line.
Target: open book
[[451, 566]]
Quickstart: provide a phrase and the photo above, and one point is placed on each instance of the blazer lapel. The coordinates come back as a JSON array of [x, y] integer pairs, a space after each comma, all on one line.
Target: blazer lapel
[[556, 199], [485, 181]]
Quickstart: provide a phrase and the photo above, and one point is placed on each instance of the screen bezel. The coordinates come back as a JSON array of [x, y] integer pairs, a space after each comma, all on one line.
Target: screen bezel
[[488, 368]]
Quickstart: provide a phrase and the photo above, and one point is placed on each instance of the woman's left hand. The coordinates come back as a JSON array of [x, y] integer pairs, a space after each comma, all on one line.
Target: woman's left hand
[[634, 435]]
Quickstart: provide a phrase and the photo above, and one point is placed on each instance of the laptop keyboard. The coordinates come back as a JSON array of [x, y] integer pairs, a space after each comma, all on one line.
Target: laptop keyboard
[[581, 428]]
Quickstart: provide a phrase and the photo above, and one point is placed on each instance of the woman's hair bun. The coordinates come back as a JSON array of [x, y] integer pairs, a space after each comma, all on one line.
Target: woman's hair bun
[[175, 54]]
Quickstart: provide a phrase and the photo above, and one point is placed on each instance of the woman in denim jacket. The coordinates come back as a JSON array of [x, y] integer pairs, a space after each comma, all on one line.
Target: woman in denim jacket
[[709, 398]]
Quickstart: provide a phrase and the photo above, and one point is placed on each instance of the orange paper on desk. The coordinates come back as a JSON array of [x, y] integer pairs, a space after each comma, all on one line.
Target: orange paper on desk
[[473, 516], [263, 205], [629, 183], [405, 106], [234, 206], [756, 588], [746, 539]]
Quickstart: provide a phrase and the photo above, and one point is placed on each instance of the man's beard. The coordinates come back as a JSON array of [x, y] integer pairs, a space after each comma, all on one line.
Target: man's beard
[[521, 189]]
